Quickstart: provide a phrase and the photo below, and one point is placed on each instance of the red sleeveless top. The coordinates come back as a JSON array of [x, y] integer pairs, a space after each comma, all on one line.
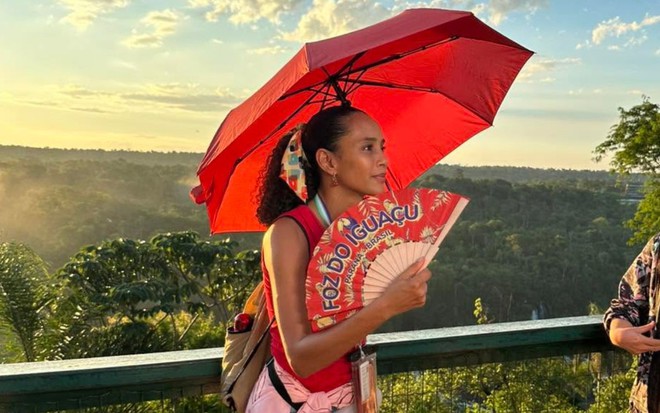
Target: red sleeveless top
[[339, 372]]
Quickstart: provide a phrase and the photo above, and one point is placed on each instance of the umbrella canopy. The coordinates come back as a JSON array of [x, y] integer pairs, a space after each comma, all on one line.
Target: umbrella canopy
[[432, 78]]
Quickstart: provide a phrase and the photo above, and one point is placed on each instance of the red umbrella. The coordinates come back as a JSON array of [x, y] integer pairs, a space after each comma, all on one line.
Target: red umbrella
[[432, 78]]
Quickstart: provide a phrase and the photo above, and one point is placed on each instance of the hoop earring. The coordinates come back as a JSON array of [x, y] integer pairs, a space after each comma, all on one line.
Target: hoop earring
[[334, 180]]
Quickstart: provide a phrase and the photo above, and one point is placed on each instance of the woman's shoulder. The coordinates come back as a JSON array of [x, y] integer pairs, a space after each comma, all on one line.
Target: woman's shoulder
[[286, 227], [296, 213]]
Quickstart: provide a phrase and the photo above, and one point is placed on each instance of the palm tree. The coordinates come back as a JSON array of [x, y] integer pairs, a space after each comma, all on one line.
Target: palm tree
[[23, 296]]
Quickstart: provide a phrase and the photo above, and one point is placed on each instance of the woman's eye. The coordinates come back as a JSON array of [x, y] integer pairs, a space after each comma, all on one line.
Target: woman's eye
[[367, 147]]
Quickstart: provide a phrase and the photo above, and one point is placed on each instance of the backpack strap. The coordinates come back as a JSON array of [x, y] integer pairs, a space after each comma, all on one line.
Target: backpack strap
[[279, 386], [251, 355]]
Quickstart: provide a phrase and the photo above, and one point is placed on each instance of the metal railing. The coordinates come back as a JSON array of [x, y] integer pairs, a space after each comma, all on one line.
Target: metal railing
[[167, 379]]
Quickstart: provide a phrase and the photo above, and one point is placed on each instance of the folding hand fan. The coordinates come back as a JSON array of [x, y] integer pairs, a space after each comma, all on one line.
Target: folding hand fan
[[370, 244]]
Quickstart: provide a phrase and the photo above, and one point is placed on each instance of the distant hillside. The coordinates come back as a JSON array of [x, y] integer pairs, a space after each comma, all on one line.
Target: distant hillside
[[526, 174], [530, 241], [11, 153], [507, 173]]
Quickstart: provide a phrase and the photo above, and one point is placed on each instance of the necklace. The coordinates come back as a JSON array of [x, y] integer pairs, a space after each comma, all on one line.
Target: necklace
[[323, 211]]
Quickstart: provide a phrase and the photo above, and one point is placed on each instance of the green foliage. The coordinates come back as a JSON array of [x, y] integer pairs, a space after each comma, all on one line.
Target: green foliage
[[480, 313], [595, 383], [634, 144], [23, 297], [635, 140], [646, 221], [173, 292], [613, 392], [550, 385]]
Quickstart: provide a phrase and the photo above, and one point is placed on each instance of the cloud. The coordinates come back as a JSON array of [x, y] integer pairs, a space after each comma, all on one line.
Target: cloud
[[162, 24], [328, 18], [245, 11], [124, 64], [583, 45], [495, 11], [77, 92], [82, 13], [90, 110], [636, 41], [540, 67], [183, 97], [268, 50], [149, 98], [499, 9], [616, 28]]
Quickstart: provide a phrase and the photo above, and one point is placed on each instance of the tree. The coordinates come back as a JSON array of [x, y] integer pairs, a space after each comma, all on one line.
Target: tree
[[635, 145], [23, 296], [131, 296], [635, 140], [646, 221]]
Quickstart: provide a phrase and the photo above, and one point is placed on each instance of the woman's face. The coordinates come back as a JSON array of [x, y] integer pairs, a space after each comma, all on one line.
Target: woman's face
[[360, 156]]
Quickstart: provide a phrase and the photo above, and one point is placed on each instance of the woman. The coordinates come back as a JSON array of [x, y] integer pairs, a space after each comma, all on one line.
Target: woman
[[336, 159]]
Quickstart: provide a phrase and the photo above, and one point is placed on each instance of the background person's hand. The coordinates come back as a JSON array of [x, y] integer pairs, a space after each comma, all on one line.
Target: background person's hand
[[408, 290], [633, 339]]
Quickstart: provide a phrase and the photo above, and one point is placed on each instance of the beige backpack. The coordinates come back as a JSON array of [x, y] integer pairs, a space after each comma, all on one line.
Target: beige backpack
[[246, 353]]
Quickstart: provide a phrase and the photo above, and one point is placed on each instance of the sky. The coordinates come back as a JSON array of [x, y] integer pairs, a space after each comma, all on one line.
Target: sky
[[161, 75]]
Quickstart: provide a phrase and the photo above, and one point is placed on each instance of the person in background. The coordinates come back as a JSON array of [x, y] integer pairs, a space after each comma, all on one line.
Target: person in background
[[631, 324]]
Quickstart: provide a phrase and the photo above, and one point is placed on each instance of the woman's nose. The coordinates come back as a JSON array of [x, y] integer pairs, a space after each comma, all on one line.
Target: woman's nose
[[383, 159]]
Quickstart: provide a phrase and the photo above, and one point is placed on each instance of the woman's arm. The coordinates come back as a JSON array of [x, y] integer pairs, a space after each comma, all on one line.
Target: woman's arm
[[286, 258]]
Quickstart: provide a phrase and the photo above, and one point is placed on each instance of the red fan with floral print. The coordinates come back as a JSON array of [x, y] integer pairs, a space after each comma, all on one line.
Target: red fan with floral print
[[370, 244]]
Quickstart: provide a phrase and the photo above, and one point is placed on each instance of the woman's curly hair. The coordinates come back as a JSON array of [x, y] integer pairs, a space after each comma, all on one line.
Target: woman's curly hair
[[322, 131]]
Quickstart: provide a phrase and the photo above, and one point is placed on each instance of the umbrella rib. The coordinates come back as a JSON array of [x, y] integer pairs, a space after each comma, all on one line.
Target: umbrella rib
[[359, 83], [400, 55], [354, 83], [325, 91], [347, 69], [281, 125], [394, 86], [332, 80]]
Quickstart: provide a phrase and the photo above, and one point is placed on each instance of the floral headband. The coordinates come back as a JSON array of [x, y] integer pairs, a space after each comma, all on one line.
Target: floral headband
[[292, 171]]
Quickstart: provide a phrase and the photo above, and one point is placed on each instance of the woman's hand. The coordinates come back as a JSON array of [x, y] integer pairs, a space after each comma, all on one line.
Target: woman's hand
[[408, 290], [632, 339]]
